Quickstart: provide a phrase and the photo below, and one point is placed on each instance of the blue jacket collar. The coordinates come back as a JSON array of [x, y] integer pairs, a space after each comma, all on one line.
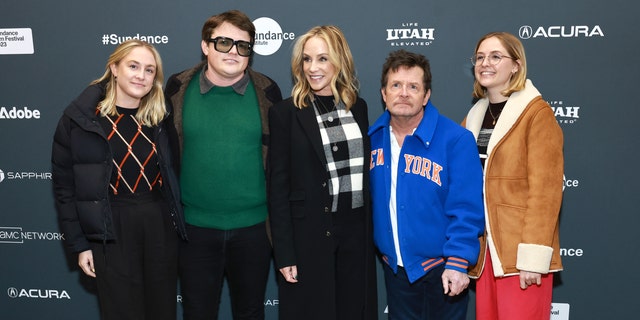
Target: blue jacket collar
[[425, 129]]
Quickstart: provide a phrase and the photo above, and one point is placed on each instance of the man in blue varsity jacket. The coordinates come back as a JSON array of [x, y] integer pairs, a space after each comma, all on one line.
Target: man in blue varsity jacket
[[426, 185]]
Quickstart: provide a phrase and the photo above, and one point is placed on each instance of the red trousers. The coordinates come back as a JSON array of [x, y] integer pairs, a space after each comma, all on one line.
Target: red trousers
[[502, 298]]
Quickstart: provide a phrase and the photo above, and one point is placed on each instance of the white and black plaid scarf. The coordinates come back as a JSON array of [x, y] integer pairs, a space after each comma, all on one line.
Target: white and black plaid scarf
[[343, 148]]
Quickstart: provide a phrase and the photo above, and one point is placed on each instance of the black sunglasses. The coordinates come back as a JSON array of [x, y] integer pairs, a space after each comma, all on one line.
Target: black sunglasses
[[224, 45]]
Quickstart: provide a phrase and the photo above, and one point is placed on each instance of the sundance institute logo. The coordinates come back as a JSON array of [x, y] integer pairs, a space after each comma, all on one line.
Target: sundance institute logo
[[269, 36]]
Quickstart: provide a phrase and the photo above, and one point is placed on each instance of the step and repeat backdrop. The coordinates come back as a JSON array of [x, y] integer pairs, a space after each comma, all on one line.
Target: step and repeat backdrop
[[583, 56]]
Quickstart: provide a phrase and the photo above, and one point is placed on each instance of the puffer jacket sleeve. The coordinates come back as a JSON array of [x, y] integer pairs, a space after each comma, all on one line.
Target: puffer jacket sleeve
[[64, 188]]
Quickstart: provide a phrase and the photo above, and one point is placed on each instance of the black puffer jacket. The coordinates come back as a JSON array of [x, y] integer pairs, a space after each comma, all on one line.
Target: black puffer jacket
[[82, 164]]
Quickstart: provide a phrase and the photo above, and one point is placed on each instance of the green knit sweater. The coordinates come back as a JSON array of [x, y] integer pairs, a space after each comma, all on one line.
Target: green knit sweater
[[222, 175]]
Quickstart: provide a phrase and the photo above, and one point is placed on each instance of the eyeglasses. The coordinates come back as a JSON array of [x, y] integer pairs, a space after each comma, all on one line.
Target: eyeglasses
[[494, 59], [411, 88], [224, 45]]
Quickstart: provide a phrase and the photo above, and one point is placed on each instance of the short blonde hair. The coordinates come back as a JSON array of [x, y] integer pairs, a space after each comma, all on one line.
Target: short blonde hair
[[515, 50], [152, 107], [344, 83]]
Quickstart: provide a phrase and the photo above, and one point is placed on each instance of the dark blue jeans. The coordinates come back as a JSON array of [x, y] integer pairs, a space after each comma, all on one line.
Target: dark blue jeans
[[241, 255], [423, 299]]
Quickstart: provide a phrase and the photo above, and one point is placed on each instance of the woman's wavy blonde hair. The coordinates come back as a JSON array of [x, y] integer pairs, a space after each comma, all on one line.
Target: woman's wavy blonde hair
[[344, 83], [152, 107]]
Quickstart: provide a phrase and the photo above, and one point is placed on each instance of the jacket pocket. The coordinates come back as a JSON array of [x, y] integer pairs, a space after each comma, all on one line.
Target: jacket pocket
[[93, 221], [296, 202], [508, 232]]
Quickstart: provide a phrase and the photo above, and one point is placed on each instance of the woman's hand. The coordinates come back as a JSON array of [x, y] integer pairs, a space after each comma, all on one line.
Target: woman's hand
[[290, 273], [85, 261], [529, 278]]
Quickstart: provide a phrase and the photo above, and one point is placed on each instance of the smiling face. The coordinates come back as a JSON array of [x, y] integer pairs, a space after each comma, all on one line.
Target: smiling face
[[135, 75], [225, 69], [318, 69], [405, 95], [494, 77]]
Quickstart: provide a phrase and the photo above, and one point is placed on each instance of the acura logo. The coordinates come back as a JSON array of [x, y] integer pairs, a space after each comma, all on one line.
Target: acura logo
[[525, 32], [12, 292]]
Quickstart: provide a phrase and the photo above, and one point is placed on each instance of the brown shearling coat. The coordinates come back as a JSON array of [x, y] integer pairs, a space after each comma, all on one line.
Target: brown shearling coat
[[523, 180]]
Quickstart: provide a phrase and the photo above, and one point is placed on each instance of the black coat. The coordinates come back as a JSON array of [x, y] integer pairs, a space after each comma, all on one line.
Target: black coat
[[298, 196], [81, 160]]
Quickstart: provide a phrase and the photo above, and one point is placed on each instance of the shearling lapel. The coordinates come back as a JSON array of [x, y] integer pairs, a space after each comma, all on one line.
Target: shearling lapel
[[517, 103], [307, 119], [513, 109], [475, 116]]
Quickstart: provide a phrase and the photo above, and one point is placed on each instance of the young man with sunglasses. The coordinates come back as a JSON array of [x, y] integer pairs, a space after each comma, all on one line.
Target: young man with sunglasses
[[220, 110]]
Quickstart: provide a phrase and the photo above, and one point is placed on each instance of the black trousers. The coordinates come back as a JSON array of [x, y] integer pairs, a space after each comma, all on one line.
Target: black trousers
[[331, 278], [242, 255], [137, 273]]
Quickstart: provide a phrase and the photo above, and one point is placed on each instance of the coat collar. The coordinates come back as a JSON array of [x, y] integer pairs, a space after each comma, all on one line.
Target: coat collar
[[425, 130], [513, 109], [307, 118], [83, 109]]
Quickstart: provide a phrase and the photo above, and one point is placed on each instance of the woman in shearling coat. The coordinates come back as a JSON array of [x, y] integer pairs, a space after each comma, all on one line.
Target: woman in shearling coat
[[520, 146]]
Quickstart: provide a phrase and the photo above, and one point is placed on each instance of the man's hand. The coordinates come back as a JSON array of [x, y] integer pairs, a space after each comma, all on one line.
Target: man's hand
[[454, 282]]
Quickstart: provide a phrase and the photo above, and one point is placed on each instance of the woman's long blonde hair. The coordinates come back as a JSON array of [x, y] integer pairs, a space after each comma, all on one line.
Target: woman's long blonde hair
[[152, 107], [344, 84]]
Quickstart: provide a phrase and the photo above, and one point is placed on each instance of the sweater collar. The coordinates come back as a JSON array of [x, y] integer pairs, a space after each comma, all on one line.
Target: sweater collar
[[239, 87]]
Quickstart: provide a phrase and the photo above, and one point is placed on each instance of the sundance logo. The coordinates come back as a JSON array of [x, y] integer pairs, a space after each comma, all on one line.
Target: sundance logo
[[269, 36], [569, 183], [527, 32], [560, 311], [15, 293]]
